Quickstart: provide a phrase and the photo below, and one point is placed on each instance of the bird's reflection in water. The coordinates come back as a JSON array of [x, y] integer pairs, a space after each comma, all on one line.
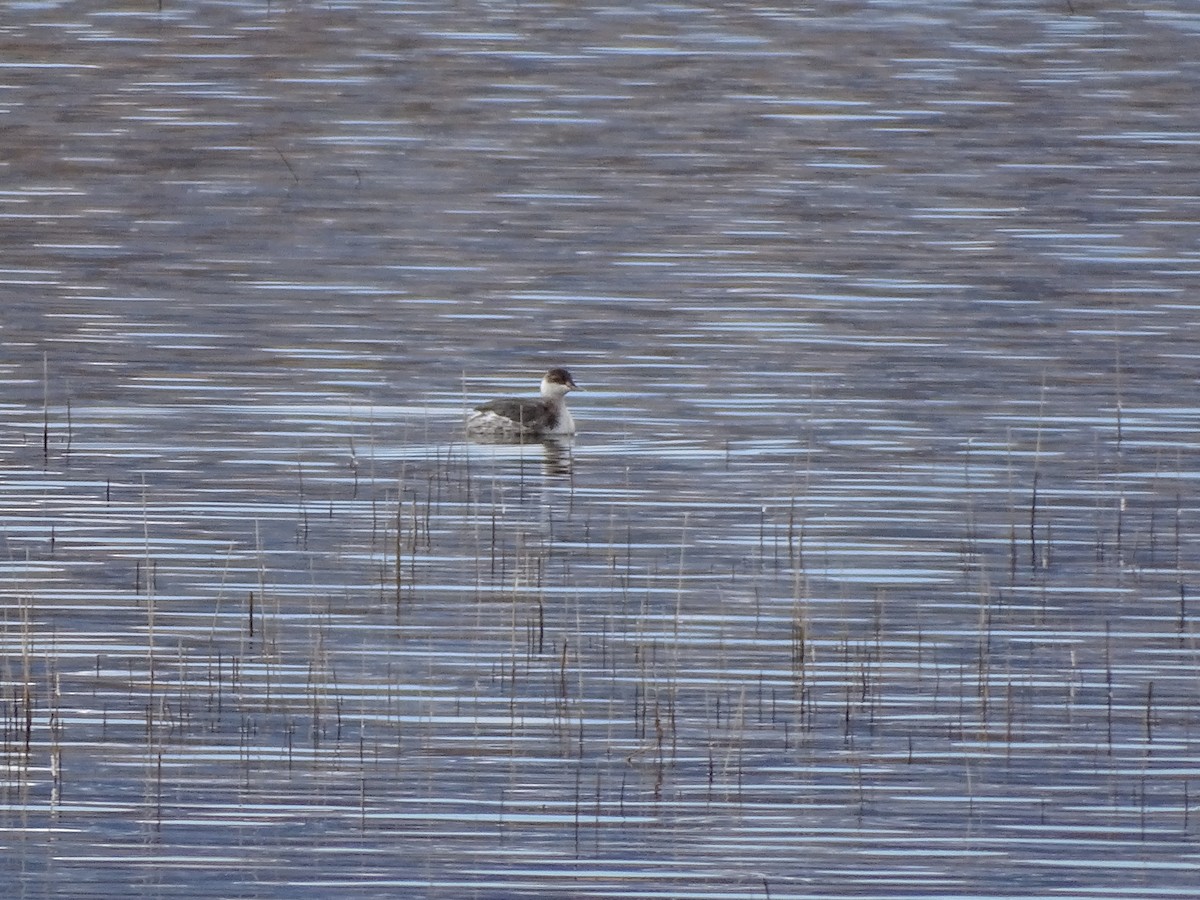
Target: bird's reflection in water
[[556, 456], [556, 451]]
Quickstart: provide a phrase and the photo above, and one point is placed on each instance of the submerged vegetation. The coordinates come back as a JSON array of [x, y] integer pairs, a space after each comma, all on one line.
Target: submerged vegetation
[[466, 646]]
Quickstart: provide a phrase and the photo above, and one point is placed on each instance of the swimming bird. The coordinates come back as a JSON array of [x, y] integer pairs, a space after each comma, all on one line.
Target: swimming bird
[[514, 419]]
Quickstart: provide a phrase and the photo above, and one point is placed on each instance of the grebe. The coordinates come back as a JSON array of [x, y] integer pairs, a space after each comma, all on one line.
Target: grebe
[[516, 419]]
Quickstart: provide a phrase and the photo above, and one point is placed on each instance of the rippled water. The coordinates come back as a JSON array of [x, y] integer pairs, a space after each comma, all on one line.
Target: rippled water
[[871, 572]]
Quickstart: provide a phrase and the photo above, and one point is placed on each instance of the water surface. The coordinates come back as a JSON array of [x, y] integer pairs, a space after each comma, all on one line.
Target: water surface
[[871, 572]]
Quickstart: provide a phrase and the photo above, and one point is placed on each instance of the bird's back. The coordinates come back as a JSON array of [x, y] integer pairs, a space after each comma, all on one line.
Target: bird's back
[[519, 416]]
